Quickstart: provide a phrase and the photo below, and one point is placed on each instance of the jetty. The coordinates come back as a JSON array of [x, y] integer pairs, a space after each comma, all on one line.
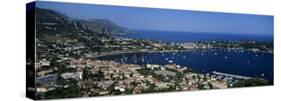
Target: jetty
[[231, 75]]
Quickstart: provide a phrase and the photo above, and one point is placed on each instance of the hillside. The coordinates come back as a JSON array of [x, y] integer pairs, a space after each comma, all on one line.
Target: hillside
[[52, 22]]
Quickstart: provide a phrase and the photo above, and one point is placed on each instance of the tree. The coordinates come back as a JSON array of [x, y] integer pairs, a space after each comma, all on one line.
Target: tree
[[251, 82]]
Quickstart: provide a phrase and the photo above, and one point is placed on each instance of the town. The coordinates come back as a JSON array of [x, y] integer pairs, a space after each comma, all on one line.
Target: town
[[70, 66]]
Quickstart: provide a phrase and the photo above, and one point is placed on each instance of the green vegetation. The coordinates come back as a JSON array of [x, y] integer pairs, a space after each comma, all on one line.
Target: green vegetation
[[145, 71], [262, 46], [72, 91], [251, 82]]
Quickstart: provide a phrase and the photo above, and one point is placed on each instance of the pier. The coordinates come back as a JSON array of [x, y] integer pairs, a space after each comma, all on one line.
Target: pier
[[231, 75]]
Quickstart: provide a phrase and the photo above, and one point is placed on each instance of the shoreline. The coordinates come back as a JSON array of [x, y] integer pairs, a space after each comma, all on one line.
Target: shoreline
[[163, 51], [167, 51]]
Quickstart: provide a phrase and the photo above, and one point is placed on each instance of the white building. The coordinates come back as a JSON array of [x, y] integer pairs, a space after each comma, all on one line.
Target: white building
[[73, 75]]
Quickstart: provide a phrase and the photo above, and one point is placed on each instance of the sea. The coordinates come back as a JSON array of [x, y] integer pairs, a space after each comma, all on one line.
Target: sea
[[173, 36], [238, 62]]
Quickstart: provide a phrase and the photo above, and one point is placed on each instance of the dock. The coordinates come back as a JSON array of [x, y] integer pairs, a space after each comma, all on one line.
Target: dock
[[231, 75]]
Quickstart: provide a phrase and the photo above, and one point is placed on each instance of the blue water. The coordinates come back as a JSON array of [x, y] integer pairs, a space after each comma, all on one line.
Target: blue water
[[229, 61], [196, 36], [234, 62]]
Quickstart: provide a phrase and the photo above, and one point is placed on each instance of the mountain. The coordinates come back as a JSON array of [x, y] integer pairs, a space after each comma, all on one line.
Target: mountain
[[52, 22], [103, 26]]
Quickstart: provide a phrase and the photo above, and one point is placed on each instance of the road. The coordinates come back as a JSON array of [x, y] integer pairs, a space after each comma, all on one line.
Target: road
[[132, 51]]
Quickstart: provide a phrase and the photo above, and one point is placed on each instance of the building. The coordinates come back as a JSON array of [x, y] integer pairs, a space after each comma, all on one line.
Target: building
[[46, 79], [73, 75]]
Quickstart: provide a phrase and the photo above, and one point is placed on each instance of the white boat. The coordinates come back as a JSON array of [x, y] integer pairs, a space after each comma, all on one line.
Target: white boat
[[215, 53], [171, 61], [225, 57]]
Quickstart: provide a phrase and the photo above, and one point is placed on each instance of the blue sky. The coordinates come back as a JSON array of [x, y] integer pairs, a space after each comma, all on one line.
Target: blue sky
[[164, 19]]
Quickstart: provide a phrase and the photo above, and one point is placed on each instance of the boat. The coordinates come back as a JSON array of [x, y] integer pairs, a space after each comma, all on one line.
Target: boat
[[170, 61], [225, 57]]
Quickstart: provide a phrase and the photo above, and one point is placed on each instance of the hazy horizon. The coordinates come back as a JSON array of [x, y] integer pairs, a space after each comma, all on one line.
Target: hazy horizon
[[166, 19]]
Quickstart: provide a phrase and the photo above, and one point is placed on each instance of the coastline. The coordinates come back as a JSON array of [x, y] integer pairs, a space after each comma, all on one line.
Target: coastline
[[119, 52]]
